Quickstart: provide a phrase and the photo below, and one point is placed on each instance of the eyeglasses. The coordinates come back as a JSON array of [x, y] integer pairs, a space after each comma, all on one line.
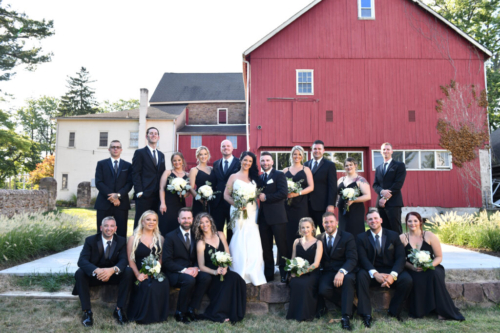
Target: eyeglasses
[[115, 147]]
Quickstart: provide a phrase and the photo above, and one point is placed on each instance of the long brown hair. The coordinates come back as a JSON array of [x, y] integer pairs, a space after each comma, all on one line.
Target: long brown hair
[[198, 233], [419, 218]]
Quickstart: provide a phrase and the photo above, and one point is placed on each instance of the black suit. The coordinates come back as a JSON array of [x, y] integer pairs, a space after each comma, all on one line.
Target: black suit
[[93, 257], [220, 207], [146, 177], [272, 220], [343, 254], [392, 259], [176, 257], [393, 180], [325, 189], [107, 181]]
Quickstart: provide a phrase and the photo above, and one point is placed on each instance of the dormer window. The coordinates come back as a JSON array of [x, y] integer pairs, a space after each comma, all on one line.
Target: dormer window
[[366, 9]]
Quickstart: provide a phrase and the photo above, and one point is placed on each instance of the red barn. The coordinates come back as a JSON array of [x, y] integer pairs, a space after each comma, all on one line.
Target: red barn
[[357, 73]]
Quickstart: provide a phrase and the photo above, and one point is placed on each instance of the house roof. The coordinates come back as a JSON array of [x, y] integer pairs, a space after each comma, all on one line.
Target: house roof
[[159, 112], [315, 2], [213, 130], [198, 87]]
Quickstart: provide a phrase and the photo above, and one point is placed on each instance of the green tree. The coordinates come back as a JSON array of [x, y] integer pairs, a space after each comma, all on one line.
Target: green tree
[[120, 105], [80, 98]]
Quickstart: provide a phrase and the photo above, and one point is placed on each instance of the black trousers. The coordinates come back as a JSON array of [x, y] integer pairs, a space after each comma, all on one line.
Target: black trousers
[[143, 204], [317, 216], [124, 280], [267, 232], [403, 288], [221, 215], [328, 291], [191, 289], [121, 217], [391, 218]]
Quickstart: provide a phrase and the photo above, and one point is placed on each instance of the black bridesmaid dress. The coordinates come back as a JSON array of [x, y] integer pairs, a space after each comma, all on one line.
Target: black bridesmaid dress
[[168, 222], [304, 289], [201, 178], [228, 298], [354, 220], [149, 300], [429, 293], [297, 210]]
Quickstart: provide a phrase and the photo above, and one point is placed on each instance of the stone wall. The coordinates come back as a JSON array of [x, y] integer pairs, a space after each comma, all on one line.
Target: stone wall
[[206, 114], [26, 201], [83, 195]]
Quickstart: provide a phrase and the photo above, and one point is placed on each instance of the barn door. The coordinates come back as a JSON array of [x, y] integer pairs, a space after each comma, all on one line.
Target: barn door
[[305, 126]]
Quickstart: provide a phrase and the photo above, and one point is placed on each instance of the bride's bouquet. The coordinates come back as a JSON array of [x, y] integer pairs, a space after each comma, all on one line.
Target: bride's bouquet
[[293, 187], [220, 259], [421, 259], [178, 186], [151, 267], [349, 193], [242, 197], [206, 193], [297, 265]]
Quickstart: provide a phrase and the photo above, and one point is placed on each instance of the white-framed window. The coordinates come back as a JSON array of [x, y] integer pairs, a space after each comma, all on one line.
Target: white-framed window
[[64, 182], [103, 139], [134, 140], [195, 141], [417, 160], [234, 140], [222, 115], [366, 9], [305, 81], [71, 142], [339, 157], [282, 159]]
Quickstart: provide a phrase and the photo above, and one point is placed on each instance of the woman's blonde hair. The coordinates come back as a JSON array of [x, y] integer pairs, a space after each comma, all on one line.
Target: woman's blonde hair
[[301, 150], [138, 234], [198, 233], [198, 151], [309, 220]]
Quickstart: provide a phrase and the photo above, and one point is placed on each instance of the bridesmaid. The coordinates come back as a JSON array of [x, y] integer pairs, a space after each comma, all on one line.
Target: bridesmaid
[[354, 220], [429, 293], [170, 203], [227, 298], [298, 208], [148, 303], [304, 288], [198, 177]]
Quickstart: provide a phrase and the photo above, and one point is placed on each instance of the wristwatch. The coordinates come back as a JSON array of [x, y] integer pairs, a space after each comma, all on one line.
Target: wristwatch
[[394, 276], [119, 196], [116, 270]]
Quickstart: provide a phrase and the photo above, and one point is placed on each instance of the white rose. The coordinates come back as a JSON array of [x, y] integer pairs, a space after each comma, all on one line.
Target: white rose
[[423, 257], [290, 184], [300, 262], [206, 191], [348, 193]]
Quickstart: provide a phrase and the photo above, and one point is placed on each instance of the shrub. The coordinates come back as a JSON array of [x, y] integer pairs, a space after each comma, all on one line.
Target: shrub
[[67, 203]]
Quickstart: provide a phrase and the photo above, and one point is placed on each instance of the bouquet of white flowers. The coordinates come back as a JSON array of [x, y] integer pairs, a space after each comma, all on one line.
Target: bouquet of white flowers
[[220, 259], [293, 187], [205, 193], [151, 266], [421, 259], [297, 265], [350, 193], [242, 197], [178, 186]]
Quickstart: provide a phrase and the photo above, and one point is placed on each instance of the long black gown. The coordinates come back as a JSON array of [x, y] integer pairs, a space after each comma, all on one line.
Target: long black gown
[[228, 298], [201, 178], [168, 222], [304, 289], [149, 300], [354, 220], [297, 210], [429, 293]]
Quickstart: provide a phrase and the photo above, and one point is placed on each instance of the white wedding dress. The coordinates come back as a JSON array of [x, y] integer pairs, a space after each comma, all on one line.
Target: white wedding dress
[[246, 247]]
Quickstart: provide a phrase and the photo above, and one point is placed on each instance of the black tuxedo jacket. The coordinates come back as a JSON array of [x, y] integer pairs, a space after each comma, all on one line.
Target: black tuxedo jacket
[[343, 255], [325, 185], [93, 250], [222, 178], [175, 255], [393, 251], [393, 180], [276, 191], [106, 182], [145, 175]]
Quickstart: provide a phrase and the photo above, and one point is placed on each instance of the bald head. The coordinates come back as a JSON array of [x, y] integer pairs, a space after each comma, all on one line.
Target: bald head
[[226, 148]]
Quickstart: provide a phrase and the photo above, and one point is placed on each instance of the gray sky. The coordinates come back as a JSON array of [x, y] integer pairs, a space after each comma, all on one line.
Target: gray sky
[[127, 45]]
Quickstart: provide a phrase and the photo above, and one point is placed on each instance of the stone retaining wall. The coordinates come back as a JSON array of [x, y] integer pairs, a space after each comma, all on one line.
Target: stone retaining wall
[[26, 201]]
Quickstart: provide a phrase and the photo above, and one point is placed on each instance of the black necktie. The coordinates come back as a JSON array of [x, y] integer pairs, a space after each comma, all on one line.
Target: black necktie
[[315, 166], [330, 243], [265, 178], [377, 244], [385, 167], [116, 167], [154, 157], [226, 163], [188, 241], [108, 250]]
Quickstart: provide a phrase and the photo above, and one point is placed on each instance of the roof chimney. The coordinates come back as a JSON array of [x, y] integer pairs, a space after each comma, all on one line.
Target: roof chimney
[[143, 111]]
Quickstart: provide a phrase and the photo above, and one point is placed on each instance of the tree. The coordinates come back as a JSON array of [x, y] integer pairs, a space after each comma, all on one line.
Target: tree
[[43, 169], [120, 105], [80, 97]]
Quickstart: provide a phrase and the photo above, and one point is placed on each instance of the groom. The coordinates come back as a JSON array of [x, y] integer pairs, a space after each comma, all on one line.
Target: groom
[[272, 216]]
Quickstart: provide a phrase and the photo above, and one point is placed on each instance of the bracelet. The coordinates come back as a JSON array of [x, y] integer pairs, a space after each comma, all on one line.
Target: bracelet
[[300, 192]]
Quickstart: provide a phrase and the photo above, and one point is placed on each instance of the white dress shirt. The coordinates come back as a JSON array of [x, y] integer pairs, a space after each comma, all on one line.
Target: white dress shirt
[[229, 161], [151, 151], [113, 161], [373, 271], [105, 247], [183, 232]]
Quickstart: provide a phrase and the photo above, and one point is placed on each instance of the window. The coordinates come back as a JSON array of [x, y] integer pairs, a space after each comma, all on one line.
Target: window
[[64, 183], [195, 141], [366, 9], [417, 159], [234, 141], [282, 159], [103, 139], [71, 139], [305, 82], [339, 157], [222, 116], [134, 140]]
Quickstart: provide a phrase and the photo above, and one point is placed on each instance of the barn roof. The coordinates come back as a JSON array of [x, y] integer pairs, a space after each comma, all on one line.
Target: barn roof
[[158, 112], [213, 130]]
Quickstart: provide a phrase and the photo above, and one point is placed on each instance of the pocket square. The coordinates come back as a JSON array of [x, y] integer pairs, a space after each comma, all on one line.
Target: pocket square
[[390, 247], [270, 181]]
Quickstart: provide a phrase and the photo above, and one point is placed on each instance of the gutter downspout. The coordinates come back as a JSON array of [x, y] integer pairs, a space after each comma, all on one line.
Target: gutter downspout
[[174, 144], [489, 137], [247, 102]]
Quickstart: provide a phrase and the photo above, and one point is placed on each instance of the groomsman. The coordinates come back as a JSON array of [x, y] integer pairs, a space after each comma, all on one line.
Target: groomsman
[[181, 268], [338, 267], [148, 165], [389, 179], [113, 179], [381, 261], [104, 261], [224, 168], [272, 217], [324, 196]]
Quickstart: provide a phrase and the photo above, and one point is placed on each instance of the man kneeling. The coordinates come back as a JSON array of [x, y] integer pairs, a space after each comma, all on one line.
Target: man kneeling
[[103, 261]]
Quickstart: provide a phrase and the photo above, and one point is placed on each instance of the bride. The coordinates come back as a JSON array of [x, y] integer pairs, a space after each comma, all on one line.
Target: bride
[[245, 246]]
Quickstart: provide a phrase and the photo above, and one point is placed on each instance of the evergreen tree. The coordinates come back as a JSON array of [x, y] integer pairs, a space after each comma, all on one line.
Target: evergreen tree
[[80, 97]]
